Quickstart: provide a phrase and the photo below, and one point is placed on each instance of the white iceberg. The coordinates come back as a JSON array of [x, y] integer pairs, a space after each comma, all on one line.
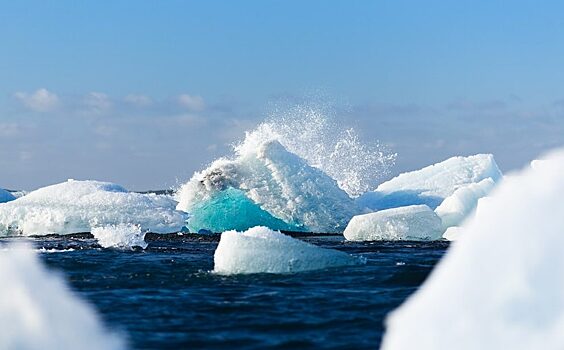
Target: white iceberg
[[264, 185], [261, 250], [432, 184], [120, 236], [38, 311], [6, 196], [79, 206], [415, 222], [455, 208], [500, 284], [452, 233]]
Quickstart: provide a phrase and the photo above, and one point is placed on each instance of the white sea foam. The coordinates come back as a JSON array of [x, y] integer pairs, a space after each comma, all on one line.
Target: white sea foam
[[415, 222], [500, 284], [261, 250], [120, 236], [38, 311], [79, 206]]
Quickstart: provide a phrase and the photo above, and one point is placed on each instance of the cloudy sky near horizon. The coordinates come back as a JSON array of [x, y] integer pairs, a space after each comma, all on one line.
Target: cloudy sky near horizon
[[145, 93]]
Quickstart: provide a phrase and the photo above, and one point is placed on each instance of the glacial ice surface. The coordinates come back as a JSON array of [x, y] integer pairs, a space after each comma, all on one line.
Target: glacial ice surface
[[38, 311], [123, 236], [500, 284], [79, 206], [432, 184], [415, 222], [6, 196], [264, 185], [261, 250]]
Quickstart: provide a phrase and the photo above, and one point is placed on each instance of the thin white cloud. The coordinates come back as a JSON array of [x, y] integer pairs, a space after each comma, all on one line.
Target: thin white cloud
[[41, 100], [97, 102], [138, 100], [191, 102]]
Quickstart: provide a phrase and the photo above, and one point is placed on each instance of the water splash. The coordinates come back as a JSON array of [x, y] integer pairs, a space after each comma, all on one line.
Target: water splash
[[311, 131]]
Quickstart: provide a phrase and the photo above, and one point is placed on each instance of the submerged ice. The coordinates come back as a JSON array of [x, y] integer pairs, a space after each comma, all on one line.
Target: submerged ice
[[80, 206], [261, 250], [499, 285]]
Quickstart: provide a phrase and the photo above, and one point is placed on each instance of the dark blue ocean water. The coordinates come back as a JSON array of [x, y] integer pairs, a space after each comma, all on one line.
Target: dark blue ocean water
[[166, 297]]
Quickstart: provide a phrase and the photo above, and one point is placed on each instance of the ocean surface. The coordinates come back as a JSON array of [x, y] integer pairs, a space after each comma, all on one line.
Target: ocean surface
[[165, 297]]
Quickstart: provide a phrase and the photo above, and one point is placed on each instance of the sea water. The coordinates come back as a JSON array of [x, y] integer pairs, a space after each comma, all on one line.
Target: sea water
[[167, 296]]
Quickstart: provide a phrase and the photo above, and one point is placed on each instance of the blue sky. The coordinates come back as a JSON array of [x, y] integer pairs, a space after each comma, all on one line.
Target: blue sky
[[144, 93]]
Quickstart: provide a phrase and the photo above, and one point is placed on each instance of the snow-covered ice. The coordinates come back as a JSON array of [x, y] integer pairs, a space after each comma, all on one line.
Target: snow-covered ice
[[432, 184], [261, 250], [415, 222], [38, 311], [500, 284], [6, 196], [120, 236], [455, 208], [79, 206]]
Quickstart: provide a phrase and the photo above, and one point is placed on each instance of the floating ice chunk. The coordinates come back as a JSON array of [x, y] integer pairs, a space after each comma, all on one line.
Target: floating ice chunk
[[6, 196], [415, 222], [38, 311], [432, 184], [261, 250], [120, 236], [500, 284], [264, 185], [78, 206], [455, 208]]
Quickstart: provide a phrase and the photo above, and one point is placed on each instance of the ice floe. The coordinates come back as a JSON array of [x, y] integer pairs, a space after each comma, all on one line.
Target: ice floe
[[500, 284], [432, 184], [415, 222], [79, 206], [261, 250], [124, 236]]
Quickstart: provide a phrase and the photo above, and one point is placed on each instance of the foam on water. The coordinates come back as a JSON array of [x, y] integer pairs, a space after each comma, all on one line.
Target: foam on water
[[123, 236], [38, 311], [500, 284], [79, 206], [261, 250], [294, 172]]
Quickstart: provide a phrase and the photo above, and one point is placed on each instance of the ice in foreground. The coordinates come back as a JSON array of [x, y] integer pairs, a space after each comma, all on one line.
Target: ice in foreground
[[432, 184], [79, 206], [38, 311], [415, 222], [124, 236], [6, 196], [500, 284], [261, 250]]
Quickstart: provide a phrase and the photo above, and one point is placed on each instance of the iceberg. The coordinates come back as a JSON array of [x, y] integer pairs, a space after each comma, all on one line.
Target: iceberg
[[261, 250], [38, 311], [80, 206], [415, 222], [123, 236], [499, 286], [266, 185], [455, 208], [6, 196], [432, 184]]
